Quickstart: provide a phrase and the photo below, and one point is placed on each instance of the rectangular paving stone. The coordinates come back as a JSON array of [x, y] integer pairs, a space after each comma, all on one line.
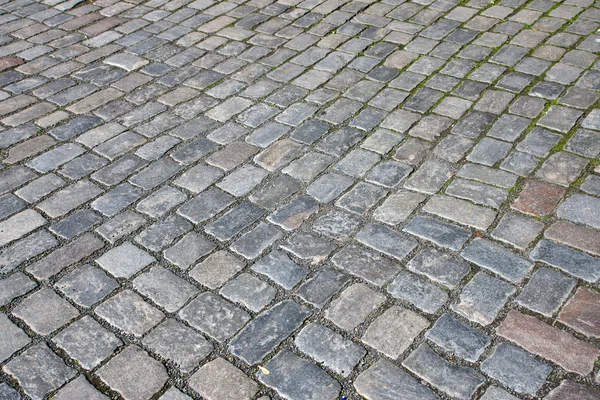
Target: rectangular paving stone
[[394, 331], [439, 267], [13, 338], [253, 243], [163, 233], [39, 371], [120, 225], [536, 297], [40, 187], [549, 342], [289, 374], [234, 221], [19, 225], [88, 342], [460, 211], [573, 235], [581, 312], [69, 198], [431, 176], [129, 312], [322, 286], [384, 380], [457, 381], [581, 209], [365, 264], [15, 286], [417, 291], [516, 369], [220, 379], [567, 259], [281, 269], [329, 348], [353, 306], [497, 259], [386, 240], [44, 311], [267, 331], [164, 288], [482, 298], [458, 338], [216, 269], [439, 232]]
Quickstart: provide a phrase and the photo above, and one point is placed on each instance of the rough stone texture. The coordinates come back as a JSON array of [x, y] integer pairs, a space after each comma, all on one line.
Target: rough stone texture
[[219, 379], [549, 342], [256, 164], [134, 374], [295, 378], [582, 312]]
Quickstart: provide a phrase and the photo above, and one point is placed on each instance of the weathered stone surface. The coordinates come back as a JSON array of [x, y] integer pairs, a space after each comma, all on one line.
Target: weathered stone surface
[[353, 306], [394, 331], [178, 343], [267, 330], [12, 338], [39, 371], [214, 316], [571, 261], [482, 298], [365, 264], [386, 381], [329, 348], [129, 312], [549, 342], [134, 374], [219, 379], [87, 342], [582, 312], [459, 382], [497, 259], [569, 390], [516, 369], [44, 311], [295, 378]]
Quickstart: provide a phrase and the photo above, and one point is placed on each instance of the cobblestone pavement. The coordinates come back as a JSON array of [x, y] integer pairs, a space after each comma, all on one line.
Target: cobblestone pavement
[[299, 199]]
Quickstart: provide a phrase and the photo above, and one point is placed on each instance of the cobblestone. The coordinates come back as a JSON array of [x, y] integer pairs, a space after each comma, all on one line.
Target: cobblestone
[[253, 192]]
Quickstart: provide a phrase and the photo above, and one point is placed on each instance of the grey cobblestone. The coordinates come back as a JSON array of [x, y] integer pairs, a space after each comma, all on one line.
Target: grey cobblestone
[[230, 159]]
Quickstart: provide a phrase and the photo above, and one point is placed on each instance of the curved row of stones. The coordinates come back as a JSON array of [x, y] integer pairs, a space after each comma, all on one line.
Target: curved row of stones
[[299, 199]]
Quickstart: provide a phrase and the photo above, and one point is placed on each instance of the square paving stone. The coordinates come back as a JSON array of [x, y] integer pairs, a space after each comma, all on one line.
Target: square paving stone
[[394, 331], [220, 380], [188, 250], [79, 387], [517, 230], [12, 338], [14, 286], [249, 291], [164, 288], [337, 224], [516, 369], [125, 260], [278, 267], [482, 298], [329, 348], [130, 313], [39, 371], [439, 267], [290, 376], [134, 374], [456, 337], [582, 312], [87, 342], [216, 269], [214, 316], [353, 306], [419, 292], [562, 168], [322, 286], [179, 344], [86, 285], [44, 311]]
